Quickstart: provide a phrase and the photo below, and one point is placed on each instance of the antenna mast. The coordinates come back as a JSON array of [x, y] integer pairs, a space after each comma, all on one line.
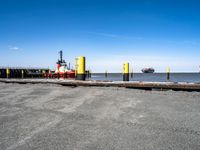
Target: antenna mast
[[61, 56]]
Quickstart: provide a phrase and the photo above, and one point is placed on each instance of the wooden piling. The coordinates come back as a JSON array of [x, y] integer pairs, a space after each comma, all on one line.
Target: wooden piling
[[168, 73], [132, 73], [106, 74]]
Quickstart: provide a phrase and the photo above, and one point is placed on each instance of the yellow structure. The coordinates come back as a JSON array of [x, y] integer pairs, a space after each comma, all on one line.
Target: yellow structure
[[126, 71], [168, 73], [22, 73], [7, 72], [43, 71], [80, 68], [168, 70], [126, 68]]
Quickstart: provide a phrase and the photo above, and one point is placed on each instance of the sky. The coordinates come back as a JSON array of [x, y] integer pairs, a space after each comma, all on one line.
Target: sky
[[146, 33]]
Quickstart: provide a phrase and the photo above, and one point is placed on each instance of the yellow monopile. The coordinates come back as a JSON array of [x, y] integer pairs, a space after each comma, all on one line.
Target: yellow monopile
[[81, 68]]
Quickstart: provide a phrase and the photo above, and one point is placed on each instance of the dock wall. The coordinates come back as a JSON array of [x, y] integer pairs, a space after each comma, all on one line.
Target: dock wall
[[131, 84]]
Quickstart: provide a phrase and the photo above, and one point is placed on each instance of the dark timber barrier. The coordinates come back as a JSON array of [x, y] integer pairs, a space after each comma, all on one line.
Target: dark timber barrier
[[11, 72], [132, 84]]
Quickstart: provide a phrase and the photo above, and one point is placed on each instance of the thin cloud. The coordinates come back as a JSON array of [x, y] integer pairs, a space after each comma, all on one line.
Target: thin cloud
[[105, 34], [115, 36], [15, 48], [190, 42]]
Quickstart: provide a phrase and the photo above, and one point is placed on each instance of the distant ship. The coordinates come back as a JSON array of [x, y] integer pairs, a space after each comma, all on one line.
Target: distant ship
[[148, 70]]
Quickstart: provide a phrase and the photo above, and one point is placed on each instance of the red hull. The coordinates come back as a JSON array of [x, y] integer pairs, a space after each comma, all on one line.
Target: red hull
[[68, 74]]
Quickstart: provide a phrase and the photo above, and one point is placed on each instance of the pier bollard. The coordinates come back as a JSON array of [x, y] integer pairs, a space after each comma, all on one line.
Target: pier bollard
[[7, 72], [81, 68], [126, 71], [168, 73]]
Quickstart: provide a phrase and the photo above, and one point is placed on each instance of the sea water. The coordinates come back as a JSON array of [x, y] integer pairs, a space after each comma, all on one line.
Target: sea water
[[154, 77]]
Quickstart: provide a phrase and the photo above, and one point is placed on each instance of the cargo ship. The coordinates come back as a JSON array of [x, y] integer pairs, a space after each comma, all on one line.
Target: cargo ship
[[148, 70]]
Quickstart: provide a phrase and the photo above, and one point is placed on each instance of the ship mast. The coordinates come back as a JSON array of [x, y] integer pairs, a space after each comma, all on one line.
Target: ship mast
[[61, 61], [61, 55]]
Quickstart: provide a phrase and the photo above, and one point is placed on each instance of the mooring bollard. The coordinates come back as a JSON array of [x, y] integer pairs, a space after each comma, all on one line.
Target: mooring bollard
[[80, 68], [7, 72], [168, 73], [126, 71]]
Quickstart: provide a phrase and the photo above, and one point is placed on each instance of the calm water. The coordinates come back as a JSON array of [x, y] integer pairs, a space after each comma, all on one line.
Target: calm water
[[156, 77]]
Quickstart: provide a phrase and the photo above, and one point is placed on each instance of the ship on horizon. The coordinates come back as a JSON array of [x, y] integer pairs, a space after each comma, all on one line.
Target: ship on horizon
[[148, 70]]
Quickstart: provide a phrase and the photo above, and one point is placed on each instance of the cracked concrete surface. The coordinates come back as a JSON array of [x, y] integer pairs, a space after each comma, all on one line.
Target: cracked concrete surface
[[58, 117]]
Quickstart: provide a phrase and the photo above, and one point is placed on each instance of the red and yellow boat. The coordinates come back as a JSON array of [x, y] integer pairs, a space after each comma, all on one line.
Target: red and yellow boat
[[62, 70]]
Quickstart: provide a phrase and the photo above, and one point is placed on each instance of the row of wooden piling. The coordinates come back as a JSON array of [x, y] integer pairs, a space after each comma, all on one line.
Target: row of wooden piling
[[21, 73]]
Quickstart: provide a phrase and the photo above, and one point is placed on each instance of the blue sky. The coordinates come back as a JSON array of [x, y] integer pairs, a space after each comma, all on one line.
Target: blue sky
[[147, 33]]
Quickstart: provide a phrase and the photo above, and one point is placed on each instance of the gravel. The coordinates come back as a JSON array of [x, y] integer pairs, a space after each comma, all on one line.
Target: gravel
[[53, 117]]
